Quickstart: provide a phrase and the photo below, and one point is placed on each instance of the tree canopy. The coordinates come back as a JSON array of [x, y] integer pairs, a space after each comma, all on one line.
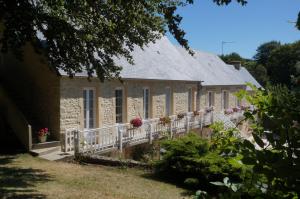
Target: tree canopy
[[86, 35]]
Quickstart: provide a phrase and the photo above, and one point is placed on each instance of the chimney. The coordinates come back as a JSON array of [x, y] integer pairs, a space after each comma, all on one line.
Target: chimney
[[237, 64]]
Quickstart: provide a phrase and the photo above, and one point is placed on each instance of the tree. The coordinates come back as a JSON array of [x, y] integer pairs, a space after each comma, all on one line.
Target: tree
[[232, 57], [264, 51], [258, 71], [282, 64], [276, 121], [87, 35]]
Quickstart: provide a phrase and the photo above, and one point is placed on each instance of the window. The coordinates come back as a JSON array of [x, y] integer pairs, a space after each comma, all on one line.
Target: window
[[190, 100], [168, 101], [238, 102], [89, 109], [225, 98], [119, 105], [211, 100], [146, 102]]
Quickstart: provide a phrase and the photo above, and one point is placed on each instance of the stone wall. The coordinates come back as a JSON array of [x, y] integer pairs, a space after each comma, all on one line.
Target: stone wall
[[71, 100], [217, 90]]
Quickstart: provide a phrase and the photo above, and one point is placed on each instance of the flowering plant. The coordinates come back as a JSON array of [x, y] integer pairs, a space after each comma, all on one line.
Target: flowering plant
[[236, 109], [43, 132], [136, 122], [244, 108], [228, 111], [180, 116], [165, 120], [196, 113]]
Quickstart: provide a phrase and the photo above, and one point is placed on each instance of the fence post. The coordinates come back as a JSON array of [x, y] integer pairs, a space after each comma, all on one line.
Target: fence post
[[150, 133], [76, 142], [211, 117], [66, 140], [171, 127], [29, 137], [187, 123], [120, 135]]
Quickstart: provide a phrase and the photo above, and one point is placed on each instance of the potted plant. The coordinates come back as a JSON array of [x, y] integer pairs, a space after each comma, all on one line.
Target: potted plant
[[228, 111], [196, 113], [236, 109], [165, 120], [136, 122], [43, 134], [180, 116]]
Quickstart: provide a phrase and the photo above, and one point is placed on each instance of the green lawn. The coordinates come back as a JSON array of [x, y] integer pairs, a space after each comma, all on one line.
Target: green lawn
[[24, 176]]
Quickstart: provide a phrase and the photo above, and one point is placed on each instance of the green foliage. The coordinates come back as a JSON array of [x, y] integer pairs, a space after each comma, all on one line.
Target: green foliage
[[282, 64], [263, 52], [191, 157], [87, 35], [276, 131]]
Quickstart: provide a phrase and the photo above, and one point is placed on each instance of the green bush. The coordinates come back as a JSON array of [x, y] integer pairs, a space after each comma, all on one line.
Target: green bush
[[191, 157]]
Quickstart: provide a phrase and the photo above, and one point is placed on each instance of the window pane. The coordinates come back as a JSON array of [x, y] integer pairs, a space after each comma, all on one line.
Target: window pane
[[146, 103], [190, 100], [168, 101], [119, 105]]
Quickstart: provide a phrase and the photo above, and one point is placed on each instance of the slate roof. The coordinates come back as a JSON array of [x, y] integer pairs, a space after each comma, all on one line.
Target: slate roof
[[164, 61]]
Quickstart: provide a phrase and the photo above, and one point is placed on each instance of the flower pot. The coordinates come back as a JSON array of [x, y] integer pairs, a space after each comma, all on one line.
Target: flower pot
[[42, 139]]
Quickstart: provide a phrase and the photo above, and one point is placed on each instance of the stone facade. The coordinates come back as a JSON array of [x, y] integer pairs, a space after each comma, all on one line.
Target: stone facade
[[71, 99]]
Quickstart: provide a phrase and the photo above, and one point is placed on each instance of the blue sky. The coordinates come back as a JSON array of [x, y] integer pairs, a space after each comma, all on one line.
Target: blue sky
[[207, 25]]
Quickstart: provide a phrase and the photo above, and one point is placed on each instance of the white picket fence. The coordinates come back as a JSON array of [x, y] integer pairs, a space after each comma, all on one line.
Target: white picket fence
[[121, 135]]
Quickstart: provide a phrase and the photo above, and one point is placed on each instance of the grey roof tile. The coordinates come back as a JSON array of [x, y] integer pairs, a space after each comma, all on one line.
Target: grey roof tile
[[164, 61]]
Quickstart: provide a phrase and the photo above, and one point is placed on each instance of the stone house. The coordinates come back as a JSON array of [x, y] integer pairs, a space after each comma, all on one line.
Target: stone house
[[165, 80]]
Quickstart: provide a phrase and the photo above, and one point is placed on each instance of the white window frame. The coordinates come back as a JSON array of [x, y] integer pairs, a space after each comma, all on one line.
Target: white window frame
[[168, 101], [122, 104], [212, 102], [146, 106], [86, 121], [223, 105], [190, 100], [238, 102]]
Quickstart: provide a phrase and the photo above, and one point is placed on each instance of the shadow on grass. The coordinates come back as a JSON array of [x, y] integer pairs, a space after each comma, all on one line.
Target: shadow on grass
[[170, 180], [18, 182]]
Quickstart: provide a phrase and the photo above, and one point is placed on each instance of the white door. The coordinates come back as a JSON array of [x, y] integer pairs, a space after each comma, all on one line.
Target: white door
[[89, 108]]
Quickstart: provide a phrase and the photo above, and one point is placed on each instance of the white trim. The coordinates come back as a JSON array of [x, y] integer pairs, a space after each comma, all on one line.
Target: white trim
[[223, 105], [122, 104], [86, 121], [168, 102], [144, 103], [212, 104], [190, 99]]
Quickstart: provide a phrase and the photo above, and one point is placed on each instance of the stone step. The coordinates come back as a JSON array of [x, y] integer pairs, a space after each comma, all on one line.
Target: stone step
[[45, 145], [45, 151]]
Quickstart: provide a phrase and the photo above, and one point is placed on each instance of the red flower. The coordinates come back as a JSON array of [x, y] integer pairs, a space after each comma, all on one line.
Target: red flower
[[137, 122], [43, 132]]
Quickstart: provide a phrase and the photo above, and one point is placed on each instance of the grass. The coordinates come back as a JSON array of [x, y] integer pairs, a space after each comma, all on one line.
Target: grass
[[24, 176]]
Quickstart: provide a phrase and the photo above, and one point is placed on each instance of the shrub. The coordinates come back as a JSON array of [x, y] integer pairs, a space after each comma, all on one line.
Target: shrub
[[192, 157]]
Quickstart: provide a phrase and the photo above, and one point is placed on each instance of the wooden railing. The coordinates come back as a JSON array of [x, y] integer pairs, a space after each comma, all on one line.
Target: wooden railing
[[119, 136]]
